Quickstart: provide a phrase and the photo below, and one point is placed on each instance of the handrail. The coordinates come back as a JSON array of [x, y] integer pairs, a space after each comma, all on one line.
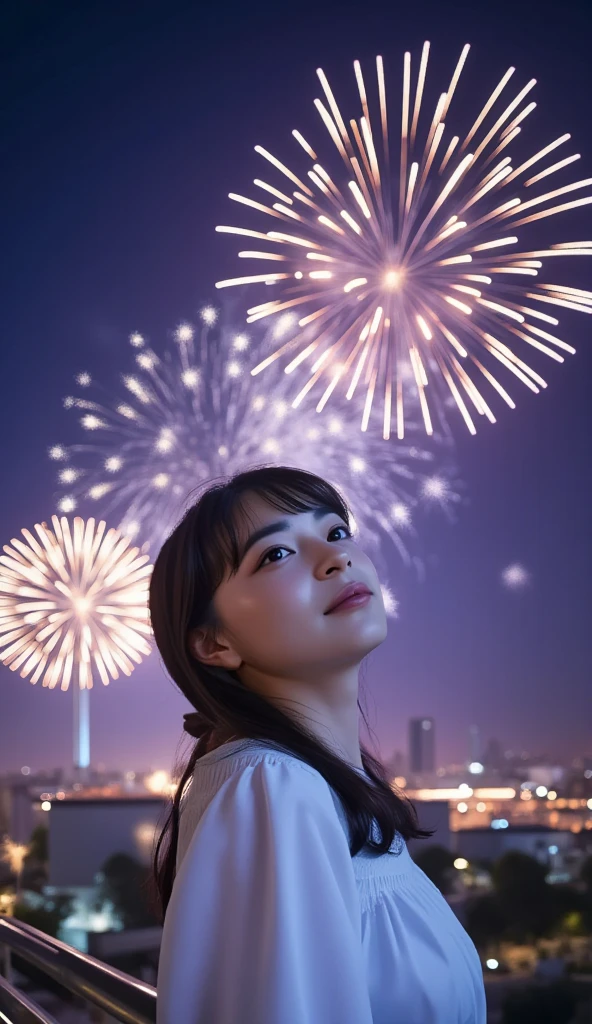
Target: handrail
[[125, 998], [20, 1007]]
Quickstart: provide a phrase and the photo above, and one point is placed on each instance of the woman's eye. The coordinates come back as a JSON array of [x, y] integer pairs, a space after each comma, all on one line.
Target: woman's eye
[[348, 532], [272, 552]]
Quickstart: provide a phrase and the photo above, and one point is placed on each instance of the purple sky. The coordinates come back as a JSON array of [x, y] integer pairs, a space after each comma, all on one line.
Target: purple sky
[[125, 134]]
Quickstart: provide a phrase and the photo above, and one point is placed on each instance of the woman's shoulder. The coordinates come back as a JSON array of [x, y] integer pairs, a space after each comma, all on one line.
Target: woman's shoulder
[[213, 768], [282, 777]]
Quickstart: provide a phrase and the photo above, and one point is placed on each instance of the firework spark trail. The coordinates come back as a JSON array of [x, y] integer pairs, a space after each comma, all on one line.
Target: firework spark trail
[[192, 413], [443, 284], [73, 599]]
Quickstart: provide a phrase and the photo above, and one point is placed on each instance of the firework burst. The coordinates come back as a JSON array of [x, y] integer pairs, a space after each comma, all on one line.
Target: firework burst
[[411, 270], [191, 413], [73, 600]]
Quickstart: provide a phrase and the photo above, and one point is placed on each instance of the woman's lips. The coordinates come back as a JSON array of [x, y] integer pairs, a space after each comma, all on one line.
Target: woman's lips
[[355, 587], [357, 600]]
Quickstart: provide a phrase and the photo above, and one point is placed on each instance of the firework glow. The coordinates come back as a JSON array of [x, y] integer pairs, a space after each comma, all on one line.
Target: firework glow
[[412, 271], [191, 413], [515, 576], [14, 854], [73, 600]]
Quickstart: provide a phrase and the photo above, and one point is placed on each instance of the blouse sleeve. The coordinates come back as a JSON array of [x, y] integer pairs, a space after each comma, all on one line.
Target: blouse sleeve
[[264, 922]]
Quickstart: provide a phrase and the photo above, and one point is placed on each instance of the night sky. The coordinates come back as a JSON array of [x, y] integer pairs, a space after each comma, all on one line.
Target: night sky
[[125, 127]]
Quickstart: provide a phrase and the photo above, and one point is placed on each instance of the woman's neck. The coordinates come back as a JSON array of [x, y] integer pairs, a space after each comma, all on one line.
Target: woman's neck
[[217, 738]]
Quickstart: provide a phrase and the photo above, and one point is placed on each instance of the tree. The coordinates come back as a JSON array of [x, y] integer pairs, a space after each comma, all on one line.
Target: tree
[[586, 873], [39, 845], [46, 918], [485, 921], [125, 886], [525, 898], [570, 910], [438, 864], [551, 1004], [36, 865]]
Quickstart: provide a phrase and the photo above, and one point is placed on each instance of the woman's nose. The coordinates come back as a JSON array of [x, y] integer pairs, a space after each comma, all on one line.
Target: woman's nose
[[337, 560]]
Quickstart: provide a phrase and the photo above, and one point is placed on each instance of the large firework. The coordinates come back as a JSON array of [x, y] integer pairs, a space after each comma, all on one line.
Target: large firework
[[190, 413], [410, 271], [73, 601]]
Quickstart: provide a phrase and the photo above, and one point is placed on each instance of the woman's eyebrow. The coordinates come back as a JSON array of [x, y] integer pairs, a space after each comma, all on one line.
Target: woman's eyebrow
[[279, 527]]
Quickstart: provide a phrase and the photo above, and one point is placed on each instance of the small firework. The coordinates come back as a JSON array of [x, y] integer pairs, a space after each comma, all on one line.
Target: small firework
[[515, 577], [391, 605], [73, 600], [191, 413]]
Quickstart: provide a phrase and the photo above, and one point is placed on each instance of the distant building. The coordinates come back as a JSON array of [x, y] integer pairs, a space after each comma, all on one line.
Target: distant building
[[549, 775], [16, 812], [422, 746], [85, 832], [475, 751], [493, 758], [21, 796], [552, 847], [395, 764], [432, 814]]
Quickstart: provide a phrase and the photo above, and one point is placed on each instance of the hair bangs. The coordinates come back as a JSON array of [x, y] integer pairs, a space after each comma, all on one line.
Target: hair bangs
[[289, 490]]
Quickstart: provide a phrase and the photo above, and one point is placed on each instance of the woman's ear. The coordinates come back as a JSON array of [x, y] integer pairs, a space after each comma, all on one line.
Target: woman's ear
[[212, 649]]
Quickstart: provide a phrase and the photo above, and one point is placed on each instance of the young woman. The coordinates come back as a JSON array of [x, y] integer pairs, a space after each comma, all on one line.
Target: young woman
[[289, 892]]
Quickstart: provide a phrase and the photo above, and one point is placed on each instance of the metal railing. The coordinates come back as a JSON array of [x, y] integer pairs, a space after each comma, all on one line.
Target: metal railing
[[16, 1006], [125, 998]]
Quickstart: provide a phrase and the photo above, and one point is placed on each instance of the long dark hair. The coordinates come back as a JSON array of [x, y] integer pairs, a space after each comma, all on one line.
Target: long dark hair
[[188, 570]]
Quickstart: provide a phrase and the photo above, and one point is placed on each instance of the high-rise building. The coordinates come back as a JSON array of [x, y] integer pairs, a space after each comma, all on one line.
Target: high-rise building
[[494, 756], [475, 751], [422, 745]]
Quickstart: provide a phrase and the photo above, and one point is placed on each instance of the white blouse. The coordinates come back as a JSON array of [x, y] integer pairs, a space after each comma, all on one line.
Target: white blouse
[[271, 920]]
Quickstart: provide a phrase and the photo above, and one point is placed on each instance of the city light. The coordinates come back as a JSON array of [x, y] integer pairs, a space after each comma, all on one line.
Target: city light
[[464, 791], [160, 784], [461, 864]]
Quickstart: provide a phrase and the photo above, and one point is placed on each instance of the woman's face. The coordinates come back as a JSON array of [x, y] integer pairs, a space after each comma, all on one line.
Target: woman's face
[[274, 612]]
